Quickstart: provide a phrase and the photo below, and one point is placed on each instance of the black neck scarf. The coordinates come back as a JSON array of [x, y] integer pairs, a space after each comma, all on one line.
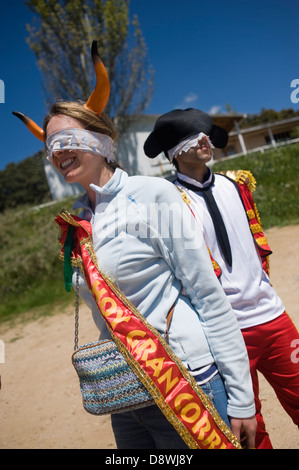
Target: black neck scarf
[[219, 226]]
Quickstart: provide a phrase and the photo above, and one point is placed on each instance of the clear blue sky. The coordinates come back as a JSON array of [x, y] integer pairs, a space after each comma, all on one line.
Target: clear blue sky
[[205, 54]]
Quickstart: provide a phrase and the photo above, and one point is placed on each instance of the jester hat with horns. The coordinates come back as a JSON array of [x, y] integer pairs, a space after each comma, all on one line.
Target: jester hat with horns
[[96, 102]]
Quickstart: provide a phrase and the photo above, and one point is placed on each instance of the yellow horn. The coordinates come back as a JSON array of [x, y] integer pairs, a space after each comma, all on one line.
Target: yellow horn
[[32, 126], [96, 102], [100, 96]]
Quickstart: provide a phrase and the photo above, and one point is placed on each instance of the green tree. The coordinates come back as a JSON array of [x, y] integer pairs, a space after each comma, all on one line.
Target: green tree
[[268, 115], [60, 37], [23, 183]]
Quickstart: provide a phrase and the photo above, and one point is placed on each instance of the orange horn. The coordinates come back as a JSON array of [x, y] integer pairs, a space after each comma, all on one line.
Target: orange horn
[[32, 126], [100, 96]]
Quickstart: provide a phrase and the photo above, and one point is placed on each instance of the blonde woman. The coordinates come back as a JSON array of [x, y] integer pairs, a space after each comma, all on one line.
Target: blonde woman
[[145, 240]]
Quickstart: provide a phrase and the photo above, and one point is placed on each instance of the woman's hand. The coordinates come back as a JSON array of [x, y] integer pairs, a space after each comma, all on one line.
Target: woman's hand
[[244, 427]]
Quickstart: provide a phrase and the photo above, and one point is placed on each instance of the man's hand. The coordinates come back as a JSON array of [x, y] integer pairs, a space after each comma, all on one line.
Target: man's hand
[[247, 427]]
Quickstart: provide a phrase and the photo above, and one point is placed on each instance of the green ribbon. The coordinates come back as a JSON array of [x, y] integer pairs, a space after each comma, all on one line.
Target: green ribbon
[[67, 269]]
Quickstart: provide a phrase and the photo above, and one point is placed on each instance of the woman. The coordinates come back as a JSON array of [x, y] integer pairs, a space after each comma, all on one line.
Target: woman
[[151, 265], [144, 240]]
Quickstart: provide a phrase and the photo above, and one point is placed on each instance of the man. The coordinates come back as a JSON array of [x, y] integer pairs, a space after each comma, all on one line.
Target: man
[[238, 247]]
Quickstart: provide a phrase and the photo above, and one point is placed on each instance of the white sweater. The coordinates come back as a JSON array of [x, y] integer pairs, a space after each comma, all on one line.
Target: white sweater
[[147, 242]]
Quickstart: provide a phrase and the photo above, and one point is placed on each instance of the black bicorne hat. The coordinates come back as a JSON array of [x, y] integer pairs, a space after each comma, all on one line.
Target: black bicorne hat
[[179, 124]]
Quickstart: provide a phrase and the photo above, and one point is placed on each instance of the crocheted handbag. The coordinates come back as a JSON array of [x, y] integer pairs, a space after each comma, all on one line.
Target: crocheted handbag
[[108, 384]]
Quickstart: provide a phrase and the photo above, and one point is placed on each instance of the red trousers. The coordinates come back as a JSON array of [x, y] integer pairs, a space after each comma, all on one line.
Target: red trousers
[[273, 350]]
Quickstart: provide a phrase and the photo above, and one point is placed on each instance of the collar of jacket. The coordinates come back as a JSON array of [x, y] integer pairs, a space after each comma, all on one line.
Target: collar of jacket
[[105, 193]]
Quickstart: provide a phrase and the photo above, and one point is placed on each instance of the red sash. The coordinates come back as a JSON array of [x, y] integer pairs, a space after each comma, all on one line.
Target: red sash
[[255, 225], [172, 387]]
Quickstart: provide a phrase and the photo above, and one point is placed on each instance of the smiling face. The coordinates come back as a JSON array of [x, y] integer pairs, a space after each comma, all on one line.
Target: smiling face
[[76, 166]]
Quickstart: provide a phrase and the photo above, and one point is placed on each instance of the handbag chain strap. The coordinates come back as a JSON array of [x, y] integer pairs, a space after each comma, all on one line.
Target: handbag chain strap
[[77, 310]]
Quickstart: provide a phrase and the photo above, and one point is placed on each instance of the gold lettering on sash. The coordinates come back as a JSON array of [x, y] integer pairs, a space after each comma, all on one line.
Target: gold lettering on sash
[[119, 318], [194, 416], [181, 397], [107, 310], [203, 426], [214, 440], [169, 383], [97, 293], [156, 365], [132, 335], [107, 305], [147, 346]]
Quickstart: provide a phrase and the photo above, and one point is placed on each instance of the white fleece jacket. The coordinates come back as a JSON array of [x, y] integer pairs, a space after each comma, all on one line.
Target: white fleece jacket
[[147, 241]]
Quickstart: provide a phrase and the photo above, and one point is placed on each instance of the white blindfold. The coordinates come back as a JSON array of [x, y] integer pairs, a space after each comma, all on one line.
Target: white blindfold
[[80, 139], [187, 144]]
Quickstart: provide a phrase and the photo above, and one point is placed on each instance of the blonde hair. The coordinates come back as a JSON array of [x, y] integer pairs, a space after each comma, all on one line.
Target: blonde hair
[[90, 120]]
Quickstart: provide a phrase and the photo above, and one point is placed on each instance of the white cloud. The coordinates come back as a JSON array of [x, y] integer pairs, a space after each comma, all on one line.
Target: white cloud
[[215, 109], [190, 98], [187, 100]]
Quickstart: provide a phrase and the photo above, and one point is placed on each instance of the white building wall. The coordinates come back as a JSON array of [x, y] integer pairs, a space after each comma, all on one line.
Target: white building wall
[[59, 189], [131, 156]]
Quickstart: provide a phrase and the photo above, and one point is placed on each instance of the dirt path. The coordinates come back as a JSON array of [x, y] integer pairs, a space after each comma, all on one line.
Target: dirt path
[[40, 403]]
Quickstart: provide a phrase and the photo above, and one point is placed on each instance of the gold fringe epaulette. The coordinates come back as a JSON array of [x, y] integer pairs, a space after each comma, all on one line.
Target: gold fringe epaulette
[[242, 177]]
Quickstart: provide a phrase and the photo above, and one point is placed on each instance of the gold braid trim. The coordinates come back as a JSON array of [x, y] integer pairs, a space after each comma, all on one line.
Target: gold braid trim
[[242, 177], [250, 214], [261, 241], [257, 214], [256, 228]]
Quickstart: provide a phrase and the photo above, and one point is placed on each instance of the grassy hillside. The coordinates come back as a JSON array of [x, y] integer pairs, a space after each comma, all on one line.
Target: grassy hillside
[[31, 276], [277, 192]]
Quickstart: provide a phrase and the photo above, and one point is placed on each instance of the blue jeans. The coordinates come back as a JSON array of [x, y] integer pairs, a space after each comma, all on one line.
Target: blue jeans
[[147, 428]]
